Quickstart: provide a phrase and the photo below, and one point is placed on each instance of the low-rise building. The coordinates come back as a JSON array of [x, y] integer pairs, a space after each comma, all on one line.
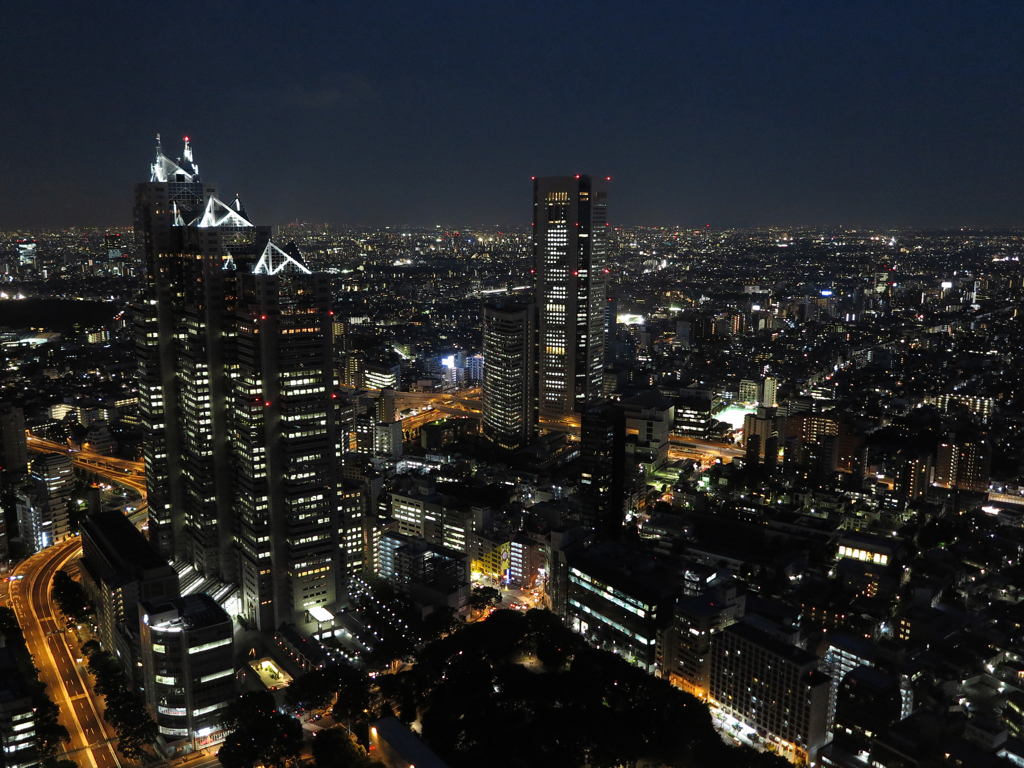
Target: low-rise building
[[188, 666]]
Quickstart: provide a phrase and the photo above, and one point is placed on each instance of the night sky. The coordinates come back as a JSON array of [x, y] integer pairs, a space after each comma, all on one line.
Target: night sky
[[906, 114]]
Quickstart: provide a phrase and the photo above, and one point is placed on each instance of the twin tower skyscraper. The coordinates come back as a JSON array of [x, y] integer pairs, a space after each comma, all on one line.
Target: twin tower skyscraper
[[544, 361], [236, 397]]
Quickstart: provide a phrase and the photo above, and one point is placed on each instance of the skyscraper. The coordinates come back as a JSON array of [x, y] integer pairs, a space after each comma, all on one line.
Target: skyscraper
[[284, 444], [569, 257], [508, 392], [234, 342]]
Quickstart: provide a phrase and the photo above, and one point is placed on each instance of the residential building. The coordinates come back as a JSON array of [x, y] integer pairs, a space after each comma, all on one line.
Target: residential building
[[772, 687]]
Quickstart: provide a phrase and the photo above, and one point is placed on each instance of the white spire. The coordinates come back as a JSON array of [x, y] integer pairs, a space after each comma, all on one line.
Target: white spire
[[156, 170], [187, 154]]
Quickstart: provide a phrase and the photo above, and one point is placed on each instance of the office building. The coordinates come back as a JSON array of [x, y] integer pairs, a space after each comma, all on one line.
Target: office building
[[748, 391], [603, 469], [282, 419], [769, 392], [235, 345], [694, 414], [41, 504], [120, 568], [509, 379], [688, 641], [620, 600], [868, 702], [428, 574], [569, 249], [188, 665], [184, 232], [379, 376], [395, 746]]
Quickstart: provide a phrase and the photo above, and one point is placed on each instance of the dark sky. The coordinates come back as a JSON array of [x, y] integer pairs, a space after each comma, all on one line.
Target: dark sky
[[730, 113]]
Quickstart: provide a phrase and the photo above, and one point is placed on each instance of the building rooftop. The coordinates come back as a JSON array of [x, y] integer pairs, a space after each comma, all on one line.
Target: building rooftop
[[122, 543], [405, 743], [188, 613]]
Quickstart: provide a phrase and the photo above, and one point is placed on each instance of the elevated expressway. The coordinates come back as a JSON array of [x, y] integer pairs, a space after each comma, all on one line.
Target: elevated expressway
[[130, 474]]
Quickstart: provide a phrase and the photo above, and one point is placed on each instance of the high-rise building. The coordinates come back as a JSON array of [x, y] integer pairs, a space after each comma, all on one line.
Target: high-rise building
[[772, 687], [603, 469], [236, 365], [509, 398], [17, 714], [284, 441], [964, 462], [569, 250], [769, 392], [42, 504]]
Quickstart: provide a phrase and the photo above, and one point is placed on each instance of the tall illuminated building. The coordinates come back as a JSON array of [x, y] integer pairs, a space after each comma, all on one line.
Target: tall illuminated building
[[284, 437], [508, 391], [569, 261], [234, 342]]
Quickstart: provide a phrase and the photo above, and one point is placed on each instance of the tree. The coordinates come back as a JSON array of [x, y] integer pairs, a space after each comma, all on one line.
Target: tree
[[124, 710], [259, 733], [440, 622], [248, 708], [49, 732], [335, 748], [482, 598], [71, 598], [313, 690], [353, 702]]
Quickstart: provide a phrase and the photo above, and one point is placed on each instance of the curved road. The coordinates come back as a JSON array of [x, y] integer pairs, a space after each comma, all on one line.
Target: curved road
[[49, 646]]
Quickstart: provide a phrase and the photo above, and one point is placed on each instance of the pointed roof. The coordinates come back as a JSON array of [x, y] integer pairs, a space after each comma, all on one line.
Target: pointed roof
[[237, 205], [164, 169], [273, 261], [220, 214]]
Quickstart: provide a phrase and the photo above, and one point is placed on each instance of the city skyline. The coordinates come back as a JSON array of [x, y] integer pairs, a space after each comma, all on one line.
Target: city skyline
[[730, 473], [866, 116]]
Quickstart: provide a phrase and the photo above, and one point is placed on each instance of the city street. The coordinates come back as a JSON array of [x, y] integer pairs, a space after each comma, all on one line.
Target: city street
[[54, 658]]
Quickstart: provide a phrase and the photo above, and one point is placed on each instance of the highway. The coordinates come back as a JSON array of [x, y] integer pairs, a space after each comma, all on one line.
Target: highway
[[131, 474], [55, 658]]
